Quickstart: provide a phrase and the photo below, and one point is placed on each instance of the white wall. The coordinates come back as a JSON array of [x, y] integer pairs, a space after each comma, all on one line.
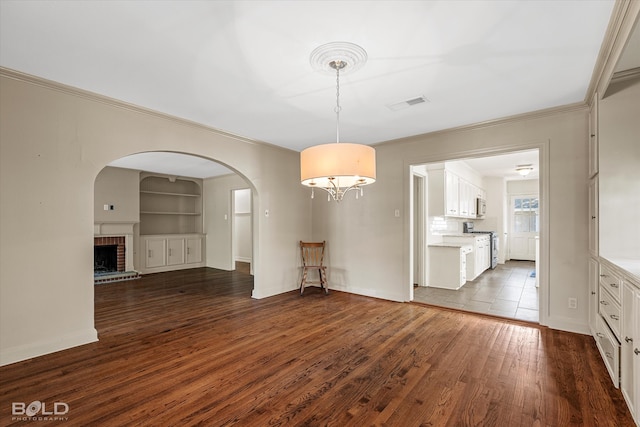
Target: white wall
[[54, 141], [242, 225], [218, 223], [369, 248]]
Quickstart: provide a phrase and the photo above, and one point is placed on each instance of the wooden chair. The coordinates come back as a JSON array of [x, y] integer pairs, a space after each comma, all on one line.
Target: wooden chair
[[313, 259]]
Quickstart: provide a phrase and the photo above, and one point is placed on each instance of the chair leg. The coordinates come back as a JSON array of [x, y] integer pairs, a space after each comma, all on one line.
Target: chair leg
[[323, 280], [303, 281]]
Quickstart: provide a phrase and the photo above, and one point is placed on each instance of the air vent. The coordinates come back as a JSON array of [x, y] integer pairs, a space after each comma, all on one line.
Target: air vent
[[408, 103]]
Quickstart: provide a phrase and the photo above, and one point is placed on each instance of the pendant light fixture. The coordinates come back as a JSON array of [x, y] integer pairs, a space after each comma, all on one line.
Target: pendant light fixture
[[338, 167]]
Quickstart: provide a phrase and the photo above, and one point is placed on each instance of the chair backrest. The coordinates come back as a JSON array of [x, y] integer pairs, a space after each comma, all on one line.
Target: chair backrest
[[312, 253]]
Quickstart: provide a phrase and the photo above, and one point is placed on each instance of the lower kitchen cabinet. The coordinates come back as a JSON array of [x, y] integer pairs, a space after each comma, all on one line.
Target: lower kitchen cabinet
[[448, 265], [617, 329], [171, 252], [630, 349]]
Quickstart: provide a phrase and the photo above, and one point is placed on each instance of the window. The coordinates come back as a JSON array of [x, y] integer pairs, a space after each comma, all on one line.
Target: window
[[525, 215]]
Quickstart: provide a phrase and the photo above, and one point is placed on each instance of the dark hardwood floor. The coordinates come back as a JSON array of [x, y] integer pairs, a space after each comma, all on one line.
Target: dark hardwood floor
[[193, 348]]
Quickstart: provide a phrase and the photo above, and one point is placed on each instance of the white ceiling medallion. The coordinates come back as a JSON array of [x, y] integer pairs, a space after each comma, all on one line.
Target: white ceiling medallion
[[350, 53]]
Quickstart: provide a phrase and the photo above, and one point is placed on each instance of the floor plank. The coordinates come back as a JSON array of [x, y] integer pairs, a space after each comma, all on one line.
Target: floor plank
[[193, 348]]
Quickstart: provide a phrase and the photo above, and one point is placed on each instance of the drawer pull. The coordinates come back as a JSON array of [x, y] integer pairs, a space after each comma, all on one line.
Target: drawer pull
[[593, 292], [609, 355], [614, 317], [627, 339], [604, 302], [636, 351], [600, 334], [603, 275], [613, 285]]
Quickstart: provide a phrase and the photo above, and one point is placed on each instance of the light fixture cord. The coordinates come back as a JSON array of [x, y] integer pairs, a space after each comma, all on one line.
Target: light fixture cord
[[338, 108]]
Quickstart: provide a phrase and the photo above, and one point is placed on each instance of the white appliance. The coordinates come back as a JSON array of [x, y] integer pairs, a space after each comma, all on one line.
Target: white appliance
[[481, 208]]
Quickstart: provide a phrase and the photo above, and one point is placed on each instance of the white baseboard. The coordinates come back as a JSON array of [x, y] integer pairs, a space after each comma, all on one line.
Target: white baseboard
[[568, 325], [63, 342]]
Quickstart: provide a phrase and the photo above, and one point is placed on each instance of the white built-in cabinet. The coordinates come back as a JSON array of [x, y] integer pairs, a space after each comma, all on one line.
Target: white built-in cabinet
[[480, 259], [172, 252], [593, 137], [594, 282], [448, 265], [170, 223], [630, 347], [452, 196]]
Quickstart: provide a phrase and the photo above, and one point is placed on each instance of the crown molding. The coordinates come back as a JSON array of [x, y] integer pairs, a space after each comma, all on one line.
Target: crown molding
[[626, 75], [623, 19], [532, 115], [92, 96]]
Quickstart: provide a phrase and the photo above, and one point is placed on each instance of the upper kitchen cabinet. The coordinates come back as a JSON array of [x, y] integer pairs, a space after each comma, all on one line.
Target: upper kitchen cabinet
[[451, 194]]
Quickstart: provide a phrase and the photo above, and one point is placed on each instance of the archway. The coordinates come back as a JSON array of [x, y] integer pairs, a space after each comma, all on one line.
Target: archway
[[158, 207]]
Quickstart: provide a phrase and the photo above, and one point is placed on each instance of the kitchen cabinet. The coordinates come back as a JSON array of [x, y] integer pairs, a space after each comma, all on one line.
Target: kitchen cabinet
[[594, 281], [593, 137], [617, 332], [172, 252], [481, 258], [451, 195], [629, 361], [448, 265], [593, 216]]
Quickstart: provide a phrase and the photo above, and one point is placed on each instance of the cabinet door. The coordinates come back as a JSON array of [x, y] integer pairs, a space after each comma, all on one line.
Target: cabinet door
[[155, 253], [593, 216], [472, 200], [452, 191], [629, 338], [594, 277], [194, 250], [636, 356], [175, 251], [593, 137]]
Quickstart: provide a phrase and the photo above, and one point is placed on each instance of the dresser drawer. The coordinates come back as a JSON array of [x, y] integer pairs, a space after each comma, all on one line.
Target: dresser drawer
[[610, 311], [609, 350], [611, 282]]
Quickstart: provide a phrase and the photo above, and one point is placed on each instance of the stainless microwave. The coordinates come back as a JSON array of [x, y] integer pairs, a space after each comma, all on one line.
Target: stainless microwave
[[481, 208]]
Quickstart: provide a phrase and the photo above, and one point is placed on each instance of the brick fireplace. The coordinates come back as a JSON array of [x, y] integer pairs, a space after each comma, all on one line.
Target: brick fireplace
[[119, 243]]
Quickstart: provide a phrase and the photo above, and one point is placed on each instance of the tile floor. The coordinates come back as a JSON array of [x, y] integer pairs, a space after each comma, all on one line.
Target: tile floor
[[508, 291]]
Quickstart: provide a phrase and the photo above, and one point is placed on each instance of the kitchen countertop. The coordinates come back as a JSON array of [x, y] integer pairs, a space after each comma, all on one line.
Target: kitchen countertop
[[631, 266], [451, 245]]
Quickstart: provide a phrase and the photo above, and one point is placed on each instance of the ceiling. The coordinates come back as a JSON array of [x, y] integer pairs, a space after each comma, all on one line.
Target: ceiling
[[243, 66]]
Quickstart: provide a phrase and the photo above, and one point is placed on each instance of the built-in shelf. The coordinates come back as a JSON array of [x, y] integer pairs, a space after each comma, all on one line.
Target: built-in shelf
[[170, 205], [168, 213], [169, 194]]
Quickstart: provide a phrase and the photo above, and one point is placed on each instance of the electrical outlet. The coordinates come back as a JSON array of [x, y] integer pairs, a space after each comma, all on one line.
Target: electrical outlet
[[573, 303]]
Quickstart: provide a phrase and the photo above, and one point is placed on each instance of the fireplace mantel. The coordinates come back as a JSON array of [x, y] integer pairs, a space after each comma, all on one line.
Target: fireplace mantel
[[116, 229]]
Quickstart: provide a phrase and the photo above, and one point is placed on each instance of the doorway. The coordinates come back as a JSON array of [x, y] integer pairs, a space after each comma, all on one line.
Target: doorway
[[510, 290], [241, 230]]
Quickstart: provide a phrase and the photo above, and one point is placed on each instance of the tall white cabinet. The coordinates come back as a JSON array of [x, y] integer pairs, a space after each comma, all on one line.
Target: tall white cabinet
[[614, 269], [171, 227]]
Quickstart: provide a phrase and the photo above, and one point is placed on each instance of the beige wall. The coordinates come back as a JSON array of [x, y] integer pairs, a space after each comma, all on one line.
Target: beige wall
[[369, 248], [53, 144], [619, 176], [120, 188]]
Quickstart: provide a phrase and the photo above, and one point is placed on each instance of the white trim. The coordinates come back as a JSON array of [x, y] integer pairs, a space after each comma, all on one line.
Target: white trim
[[40, 348]]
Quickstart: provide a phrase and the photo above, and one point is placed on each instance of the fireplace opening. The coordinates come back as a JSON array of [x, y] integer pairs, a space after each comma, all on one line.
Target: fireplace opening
[[105, 259]]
